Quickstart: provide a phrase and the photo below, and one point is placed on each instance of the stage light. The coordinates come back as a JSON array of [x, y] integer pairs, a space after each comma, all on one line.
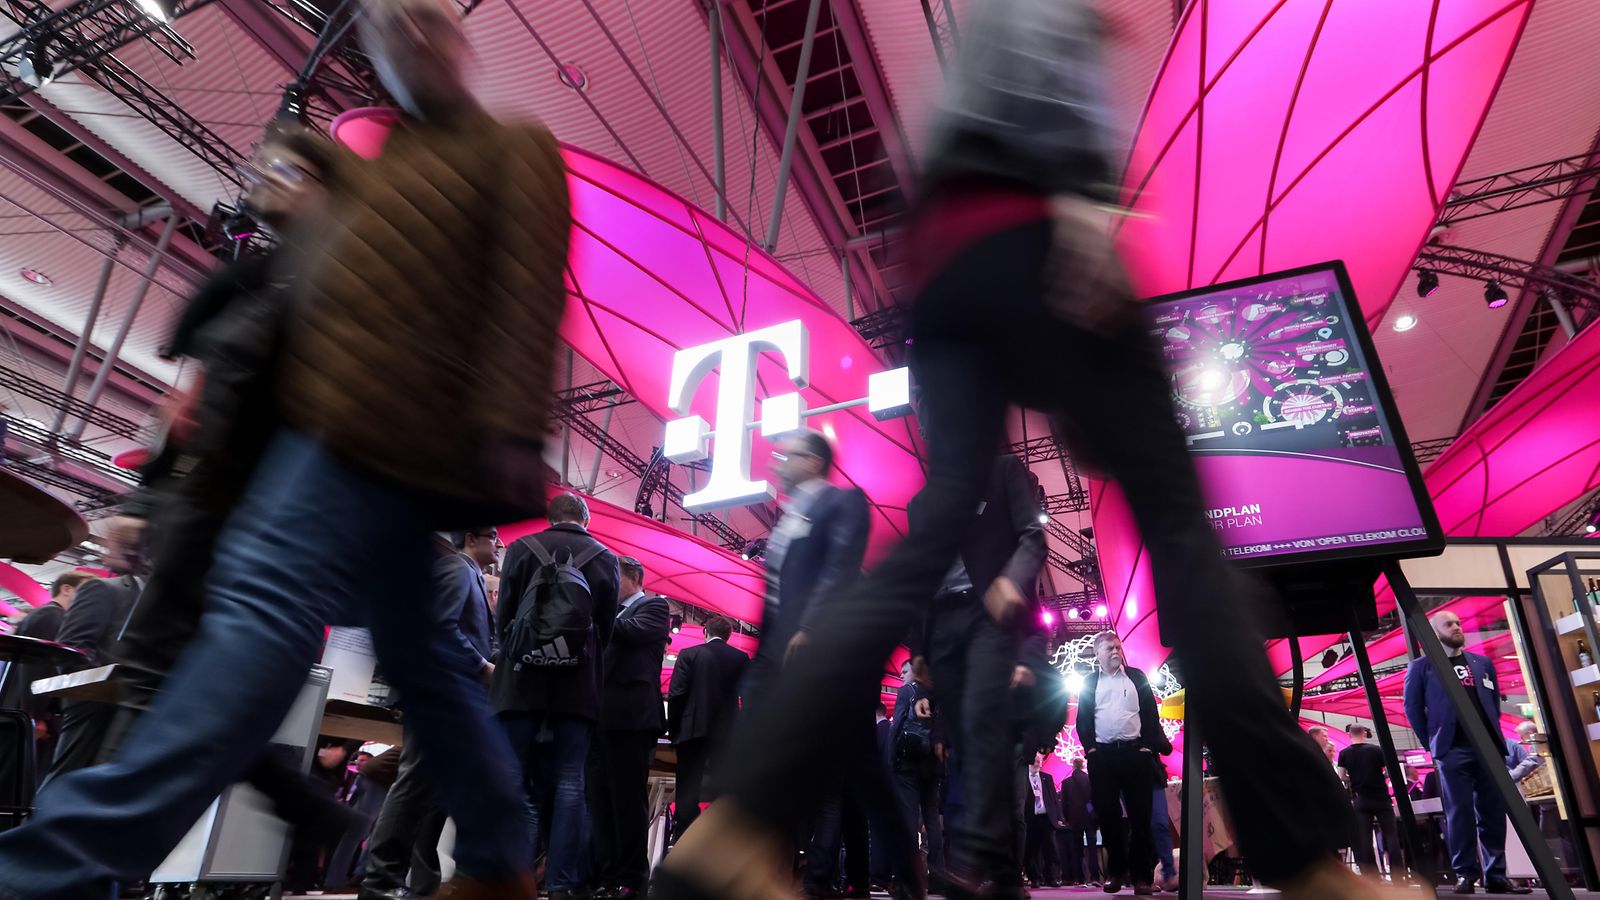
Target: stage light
[[1044, 518], [238, 226], [1495, 295], [1100, 611], [1427, 282], [677, 623], [1591, 528], [1329, 658], [1072, 613], [36, 68], [160, 10], [1405, 322], [1048, 617], [1074, 683]]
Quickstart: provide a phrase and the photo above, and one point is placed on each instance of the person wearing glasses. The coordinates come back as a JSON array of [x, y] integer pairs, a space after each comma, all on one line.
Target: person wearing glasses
[[405, 839]]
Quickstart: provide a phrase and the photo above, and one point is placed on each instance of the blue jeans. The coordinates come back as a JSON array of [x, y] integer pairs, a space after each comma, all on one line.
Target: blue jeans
[[316, 541], [554, 751], [1161, 832]]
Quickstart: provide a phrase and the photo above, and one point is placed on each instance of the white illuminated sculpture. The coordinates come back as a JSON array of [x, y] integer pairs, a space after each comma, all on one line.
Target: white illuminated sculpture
[[686, 439]]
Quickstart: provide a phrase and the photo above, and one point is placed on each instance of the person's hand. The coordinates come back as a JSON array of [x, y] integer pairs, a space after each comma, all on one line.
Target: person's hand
[[939, 753], [487, 672], [178, 412], [922, 709], [1023, 677], [1004, 600], [795, 644], [1085, 281]]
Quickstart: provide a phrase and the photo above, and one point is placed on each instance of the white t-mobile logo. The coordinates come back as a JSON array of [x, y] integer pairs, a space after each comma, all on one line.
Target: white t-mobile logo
[[730, 484]]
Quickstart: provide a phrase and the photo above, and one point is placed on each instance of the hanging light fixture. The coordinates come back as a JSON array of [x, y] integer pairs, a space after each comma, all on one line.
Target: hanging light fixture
[[1495, 295], [1427, 282]]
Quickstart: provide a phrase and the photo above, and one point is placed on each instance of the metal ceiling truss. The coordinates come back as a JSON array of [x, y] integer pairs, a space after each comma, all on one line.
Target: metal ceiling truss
[[82, 38], [941, 29], [572, 407], [1519, 188], [55, 399], [1577, 522], [94, 496], [1430, 450], [1481, 265], [70, 451]]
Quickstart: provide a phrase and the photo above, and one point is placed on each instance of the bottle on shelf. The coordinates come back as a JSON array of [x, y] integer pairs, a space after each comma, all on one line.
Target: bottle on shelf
[[1584, 659], [1597, 705]]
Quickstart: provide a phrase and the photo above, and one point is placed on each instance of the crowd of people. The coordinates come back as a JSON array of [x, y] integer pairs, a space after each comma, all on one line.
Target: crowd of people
[[386, 374]]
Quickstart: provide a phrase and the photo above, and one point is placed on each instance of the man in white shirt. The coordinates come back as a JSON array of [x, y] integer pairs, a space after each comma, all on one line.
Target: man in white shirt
[[1121, 737]]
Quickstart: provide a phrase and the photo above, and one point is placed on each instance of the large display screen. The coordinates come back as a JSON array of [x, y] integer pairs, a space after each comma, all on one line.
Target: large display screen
[[1290, 421]]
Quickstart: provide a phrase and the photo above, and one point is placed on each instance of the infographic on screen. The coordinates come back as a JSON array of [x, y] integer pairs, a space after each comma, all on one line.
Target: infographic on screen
[[1273, 391]]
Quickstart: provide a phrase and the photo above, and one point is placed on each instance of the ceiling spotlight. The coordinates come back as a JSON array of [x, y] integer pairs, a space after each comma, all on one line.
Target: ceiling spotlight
[[1405, 322], [1072, 613], [239, 226], [1044, 518], [36, 68], [160, 10], [1048, 617], [572, 77], [677, 623], [1329, 658], [1591, 528], [37, 277], [1495, 295], [1100, 611], [1427, 282]]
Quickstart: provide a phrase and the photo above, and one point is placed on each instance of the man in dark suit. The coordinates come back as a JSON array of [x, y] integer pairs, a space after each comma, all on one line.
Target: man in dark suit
[[631, 721], [1474, 812], [702, 703], [974, 659], [550, 712], [1076, 810], [1121, 736], [405, 839], [1043, 805], [91, 625], [814, 552], [42, 623], [914, 750]]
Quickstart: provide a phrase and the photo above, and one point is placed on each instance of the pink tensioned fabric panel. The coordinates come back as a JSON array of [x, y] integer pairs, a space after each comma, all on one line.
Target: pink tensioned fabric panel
[[676, 563], [17, 582], [649, 274], [1281, 134], [1475, 613]]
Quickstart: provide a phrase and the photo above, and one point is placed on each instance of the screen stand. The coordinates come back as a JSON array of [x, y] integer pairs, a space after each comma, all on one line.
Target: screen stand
[[1490, 749], [1192, 864], [1420, 865]]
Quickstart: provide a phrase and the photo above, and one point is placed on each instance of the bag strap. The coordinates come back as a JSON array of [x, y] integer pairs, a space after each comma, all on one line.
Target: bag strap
[[587, 556], [540, 552]]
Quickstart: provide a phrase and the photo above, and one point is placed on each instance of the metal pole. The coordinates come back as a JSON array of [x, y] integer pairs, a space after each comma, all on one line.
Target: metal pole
[[1415, 860], [1192, 864], [849, 295], [566, 431], [110, 362], [1563, 317], [719, 161], [81, 349], [950, 23], [793, 130], [933, 33], [594, 468]]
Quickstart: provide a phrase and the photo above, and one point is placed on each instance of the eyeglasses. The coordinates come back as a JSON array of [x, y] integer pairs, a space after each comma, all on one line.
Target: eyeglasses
[[798, 454]]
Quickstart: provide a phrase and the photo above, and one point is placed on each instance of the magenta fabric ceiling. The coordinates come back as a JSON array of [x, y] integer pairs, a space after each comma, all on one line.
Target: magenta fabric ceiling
[[1281, 134]]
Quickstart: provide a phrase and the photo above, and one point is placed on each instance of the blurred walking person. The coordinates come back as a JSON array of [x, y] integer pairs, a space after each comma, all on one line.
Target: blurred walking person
[[388, 437], [1023, 300]]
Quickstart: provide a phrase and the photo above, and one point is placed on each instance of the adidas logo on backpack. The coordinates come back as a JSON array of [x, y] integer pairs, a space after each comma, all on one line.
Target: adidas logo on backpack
[[556, 616]]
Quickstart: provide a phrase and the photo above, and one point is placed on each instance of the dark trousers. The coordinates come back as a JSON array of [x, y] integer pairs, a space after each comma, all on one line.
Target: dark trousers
[[696, 759], [1121, 776], [619, 806], [1069, 848], [1474, 815], [972, 658], [984, 339], [918, 793], [1374, 817], [405, 839], [1039, 854], [862, 780], [84, 726]]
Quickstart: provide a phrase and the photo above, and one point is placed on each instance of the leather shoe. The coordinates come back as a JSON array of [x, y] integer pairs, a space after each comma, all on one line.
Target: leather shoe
[[1502, 886], [523, 887], [1466, 885], [1113, 886], [1143, 890], [395, 894]]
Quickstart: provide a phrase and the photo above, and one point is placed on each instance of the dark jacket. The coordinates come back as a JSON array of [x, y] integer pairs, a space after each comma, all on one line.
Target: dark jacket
[[703, 697], [1006, 539], [463, 606], [1051, 797], [98, 612], [42, 623], [1076, 797], [1428, 707], [905, 704], [1150, 733], [821, 559], [633, 667], [567, 692]]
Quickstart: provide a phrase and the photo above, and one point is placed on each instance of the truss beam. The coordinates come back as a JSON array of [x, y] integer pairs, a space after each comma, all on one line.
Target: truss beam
[[1519, 188], [1481, 265]]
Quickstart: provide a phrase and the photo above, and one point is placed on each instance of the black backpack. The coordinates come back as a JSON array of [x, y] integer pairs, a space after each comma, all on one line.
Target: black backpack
[[914, 742], [552, 626]]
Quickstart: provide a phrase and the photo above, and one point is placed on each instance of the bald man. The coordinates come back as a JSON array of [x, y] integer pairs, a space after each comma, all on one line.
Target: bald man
[[1474, 812]]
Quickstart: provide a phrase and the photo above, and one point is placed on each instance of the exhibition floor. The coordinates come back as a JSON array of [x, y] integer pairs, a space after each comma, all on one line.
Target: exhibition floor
[[1085, 892]]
